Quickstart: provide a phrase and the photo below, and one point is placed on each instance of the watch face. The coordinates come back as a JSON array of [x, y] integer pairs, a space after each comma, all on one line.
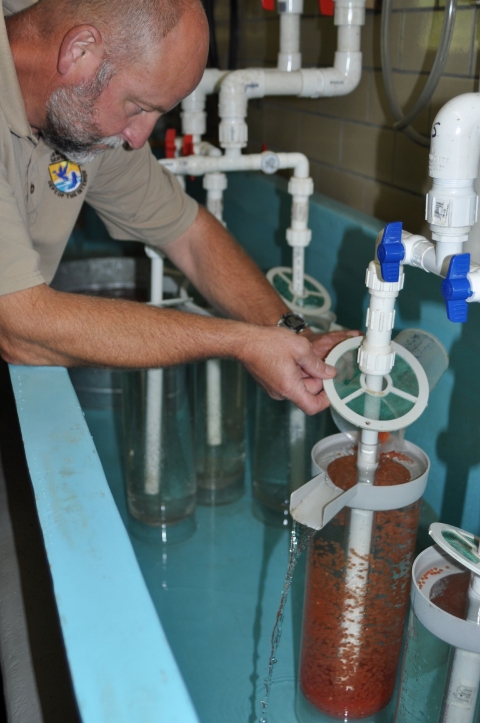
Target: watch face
[[294, 322]]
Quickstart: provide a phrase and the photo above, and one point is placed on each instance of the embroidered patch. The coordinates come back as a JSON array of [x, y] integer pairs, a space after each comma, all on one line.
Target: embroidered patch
[[66, 178]]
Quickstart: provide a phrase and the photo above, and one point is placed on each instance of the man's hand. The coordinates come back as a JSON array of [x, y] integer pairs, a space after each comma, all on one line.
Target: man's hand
[[285, 365], [322, 344]]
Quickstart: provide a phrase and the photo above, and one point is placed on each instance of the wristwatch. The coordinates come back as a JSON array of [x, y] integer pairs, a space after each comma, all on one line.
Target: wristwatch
[[294, 322]]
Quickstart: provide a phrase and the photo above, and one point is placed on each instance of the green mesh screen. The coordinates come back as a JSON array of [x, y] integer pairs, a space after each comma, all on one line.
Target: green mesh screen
[[392, 405], [313, 300]]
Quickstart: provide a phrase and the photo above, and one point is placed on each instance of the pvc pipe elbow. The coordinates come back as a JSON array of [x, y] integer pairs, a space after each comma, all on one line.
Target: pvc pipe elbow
[[342, 79], [455, 146], [235, 91]]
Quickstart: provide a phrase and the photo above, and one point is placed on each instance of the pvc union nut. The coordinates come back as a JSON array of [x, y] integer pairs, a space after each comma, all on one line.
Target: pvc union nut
[[215, 181], [451, 211], [375, 363], [349, 13], [300, 186], [298, 236], [372, 280], [233, 133]]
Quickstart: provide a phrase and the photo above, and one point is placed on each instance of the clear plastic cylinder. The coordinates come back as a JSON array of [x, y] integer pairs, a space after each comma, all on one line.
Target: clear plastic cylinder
[[284, 437], [441, 663], [219, 431], [353, 624], [159, 449]]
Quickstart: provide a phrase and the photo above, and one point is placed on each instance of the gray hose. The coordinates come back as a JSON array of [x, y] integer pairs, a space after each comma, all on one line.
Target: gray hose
[[403, 121]]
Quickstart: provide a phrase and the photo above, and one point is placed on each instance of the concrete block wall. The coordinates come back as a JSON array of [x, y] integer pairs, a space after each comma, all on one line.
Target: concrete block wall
[[356, 156]]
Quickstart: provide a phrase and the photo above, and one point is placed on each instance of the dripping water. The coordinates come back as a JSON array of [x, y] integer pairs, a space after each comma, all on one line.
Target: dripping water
[[300, 536]]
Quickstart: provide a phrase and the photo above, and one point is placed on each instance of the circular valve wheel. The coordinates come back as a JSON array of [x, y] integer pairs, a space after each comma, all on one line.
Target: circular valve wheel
[[399, 404], [315, 302]]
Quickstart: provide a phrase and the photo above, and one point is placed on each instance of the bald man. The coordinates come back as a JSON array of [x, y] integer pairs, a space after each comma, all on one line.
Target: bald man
[[83, 83]]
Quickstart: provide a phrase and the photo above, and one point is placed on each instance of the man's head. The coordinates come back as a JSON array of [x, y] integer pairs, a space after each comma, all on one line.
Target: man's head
[[114, 66]]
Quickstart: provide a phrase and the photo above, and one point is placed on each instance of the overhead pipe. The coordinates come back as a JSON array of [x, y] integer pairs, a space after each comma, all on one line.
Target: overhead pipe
[[300, 188], [193, 114], [240, 86]]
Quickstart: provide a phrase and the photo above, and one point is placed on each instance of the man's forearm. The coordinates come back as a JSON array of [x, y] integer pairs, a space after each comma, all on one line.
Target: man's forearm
[[43, 326], [221, 270]]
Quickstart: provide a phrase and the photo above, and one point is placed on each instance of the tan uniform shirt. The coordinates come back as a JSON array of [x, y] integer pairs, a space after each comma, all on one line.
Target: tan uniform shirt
[[41, 193]]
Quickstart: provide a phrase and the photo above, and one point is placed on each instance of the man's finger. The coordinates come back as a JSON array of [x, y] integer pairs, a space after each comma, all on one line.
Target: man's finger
[[311, 403]]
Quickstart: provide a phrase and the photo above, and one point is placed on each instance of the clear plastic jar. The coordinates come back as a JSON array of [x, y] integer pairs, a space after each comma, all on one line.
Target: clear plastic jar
[[353, 627], [284, 437], [159, 464], [441, 664], [219, 431]]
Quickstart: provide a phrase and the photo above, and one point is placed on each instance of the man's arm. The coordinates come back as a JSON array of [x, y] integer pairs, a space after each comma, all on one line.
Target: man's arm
[[224, 273], [42, 326]]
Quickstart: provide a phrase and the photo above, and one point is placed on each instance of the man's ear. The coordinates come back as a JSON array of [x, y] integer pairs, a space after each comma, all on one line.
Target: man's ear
[[81, 52]]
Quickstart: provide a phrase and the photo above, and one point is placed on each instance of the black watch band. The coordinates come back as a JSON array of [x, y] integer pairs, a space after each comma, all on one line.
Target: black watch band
[[294, 322]]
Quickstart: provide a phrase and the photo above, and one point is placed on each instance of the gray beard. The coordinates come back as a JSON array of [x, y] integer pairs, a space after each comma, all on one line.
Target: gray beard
[[69, 126]]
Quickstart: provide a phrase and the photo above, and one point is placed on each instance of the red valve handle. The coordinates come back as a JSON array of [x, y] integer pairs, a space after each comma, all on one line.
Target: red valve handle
[[170, 148], [187, 148], [327, 7], [268, 4]]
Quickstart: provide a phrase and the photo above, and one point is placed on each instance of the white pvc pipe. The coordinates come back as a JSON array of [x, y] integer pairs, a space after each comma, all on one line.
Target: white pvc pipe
[[214, 402], [193, 115], [197, 165], [153, 422], [241, 85], [289, 57], [297, 429], [300, 187], [298, 270], [358, 553]]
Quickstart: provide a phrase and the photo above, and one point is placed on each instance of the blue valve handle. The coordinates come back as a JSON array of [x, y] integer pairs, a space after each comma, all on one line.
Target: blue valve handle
[[390, 251], [456, 288]]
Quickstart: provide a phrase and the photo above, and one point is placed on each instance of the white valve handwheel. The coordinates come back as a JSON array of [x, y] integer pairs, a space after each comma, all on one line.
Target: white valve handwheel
[[401, 402]]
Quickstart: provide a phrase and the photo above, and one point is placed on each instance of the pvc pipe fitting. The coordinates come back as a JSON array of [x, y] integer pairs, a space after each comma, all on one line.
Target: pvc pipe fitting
[[215, 182], [455, 146], [349, 12], [300, 186], [299, 237], [193, 113], [342, 79], [451, 204]]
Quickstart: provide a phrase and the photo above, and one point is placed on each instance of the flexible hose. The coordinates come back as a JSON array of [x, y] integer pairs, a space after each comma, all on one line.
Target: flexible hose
[[402, 122]]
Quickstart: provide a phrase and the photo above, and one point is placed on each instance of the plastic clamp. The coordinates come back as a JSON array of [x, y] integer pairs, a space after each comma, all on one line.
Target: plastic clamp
[[170, 148], [391, 252], [326, 7], [456, 288]]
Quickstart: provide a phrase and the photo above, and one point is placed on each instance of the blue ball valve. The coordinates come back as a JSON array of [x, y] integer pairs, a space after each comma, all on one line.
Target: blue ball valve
[[456, 288], [390, 251]]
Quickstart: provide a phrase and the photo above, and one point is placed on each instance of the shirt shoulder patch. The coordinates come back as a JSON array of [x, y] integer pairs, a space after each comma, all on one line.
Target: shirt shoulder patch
[[66, 178]]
